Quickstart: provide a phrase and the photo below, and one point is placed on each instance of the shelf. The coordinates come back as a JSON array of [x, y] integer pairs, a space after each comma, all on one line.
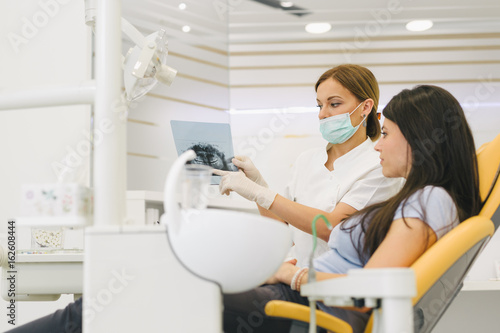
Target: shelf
[[52, 221], [44, 277], [481, 285], [145, 195], [56, 256], [233, 201]]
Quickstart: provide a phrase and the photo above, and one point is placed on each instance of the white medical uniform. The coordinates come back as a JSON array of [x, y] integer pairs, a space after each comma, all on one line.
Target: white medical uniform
[[356, 179]]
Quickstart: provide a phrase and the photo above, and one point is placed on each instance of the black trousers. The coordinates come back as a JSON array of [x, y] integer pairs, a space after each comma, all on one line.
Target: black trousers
[[244, 312], [67, 320]]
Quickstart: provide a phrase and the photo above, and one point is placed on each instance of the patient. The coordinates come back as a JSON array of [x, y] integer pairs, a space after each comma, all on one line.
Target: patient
[[425, 139]]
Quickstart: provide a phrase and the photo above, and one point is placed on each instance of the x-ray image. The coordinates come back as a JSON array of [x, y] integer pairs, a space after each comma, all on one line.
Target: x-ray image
[[209, 154], [211, 142]]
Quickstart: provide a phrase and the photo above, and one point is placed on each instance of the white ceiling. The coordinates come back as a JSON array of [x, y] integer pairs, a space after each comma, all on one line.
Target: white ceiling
[[248, 20], [252, 20]]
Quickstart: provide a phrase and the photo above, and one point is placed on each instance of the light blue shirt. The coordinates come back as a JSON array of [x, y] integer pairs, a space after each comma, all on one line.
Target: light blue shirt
[[432, 205]]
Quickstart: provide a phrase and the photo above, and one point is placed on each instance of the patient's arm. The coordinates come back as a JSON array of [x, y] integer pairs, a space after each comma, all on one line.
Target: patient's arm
[[404, 243]]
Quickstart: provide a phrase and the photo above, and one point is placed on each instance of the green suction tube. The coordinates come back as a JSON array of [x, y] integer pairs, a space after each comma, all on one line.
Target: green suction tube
[[311, 275]]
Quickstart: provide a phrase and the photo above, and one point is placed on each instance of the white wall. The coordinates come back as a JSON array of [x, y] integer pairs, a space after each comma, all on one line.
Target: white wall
[[471, 312], [47, 43]]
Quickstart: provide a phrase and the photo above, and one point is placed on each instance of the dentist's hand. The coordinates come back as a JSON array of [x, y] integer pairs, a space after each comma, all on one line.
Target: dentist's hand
[[245, 163], [238, 182]]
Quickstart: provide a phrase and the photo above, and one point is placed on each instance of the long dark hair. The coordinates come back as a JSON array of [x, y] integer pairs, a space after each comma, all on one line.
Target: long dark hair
[[361, 82], [442, 154]]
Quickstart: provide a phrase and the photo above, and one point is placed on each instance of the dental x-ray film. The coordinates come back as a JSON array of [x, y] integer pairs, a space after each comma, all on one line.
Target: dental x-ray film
[[212, 143]]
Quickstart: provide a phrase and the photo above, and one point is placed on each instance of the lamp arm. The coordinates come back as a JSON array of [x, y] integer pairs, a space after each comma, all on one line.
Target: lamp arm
[[135, 35], [90, 12], [127, 28]]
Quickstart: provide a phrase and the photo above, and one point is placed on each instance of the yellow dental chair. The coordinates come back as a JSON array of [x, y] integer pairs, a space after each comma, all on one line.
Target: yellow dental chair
[[488, 159], [440, 271]]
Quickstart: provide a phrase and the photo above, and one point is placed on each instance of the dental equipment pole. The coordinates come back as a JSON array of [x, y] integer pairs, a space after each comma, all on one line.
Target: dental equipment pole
[[83, 93], [109, 156]]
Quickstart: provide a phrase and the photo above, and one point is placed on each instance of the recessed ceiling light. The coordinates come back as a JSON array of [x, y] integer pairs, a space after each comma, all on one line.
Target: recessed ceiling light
[[318, 28], [182, 6], [286, 4], [186, 28], [419, 25]]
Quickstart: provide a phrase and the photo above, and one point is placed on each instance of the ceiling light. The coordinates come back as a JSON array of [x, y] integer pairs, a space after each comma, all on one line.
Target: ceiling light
[[286, 4], [186, 28], [318, 28], [182, 6], [419, 25]]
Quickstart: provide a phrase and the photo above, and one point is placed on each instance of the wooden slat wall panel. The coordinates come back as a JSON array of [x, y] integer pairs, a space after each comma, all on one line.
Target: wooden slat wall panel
[[339, 45], [388, 73], [283, 74], [216, 55], [362, 57], [283, 97], [160, 110], [192, 91]]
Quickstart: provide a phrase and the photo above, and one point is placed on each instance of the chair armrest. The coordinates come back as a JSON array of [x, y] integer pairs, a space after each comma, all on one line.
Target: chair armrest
[[368, 283], [301, 312]]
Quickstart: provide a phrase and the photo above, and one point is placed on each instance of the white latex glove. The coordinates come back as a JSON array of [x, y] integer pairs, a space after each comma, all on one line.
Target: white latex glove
[[245, 163], [239, 183]]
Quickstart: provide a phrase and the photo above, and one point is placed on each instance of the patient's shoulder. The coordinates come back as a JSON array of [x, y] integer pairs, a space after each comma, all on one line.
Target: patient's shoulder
[[434, 206]]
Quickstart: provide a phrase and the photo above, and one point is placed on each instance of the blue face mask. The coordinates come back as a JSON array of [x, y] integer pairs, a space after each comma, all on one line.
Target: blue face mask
[[338, 129]]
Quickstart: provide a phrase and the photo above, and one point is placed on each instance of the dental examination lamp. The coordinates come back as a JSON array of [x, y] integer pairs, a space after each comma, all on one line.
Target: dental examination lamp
[[145, 64]]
